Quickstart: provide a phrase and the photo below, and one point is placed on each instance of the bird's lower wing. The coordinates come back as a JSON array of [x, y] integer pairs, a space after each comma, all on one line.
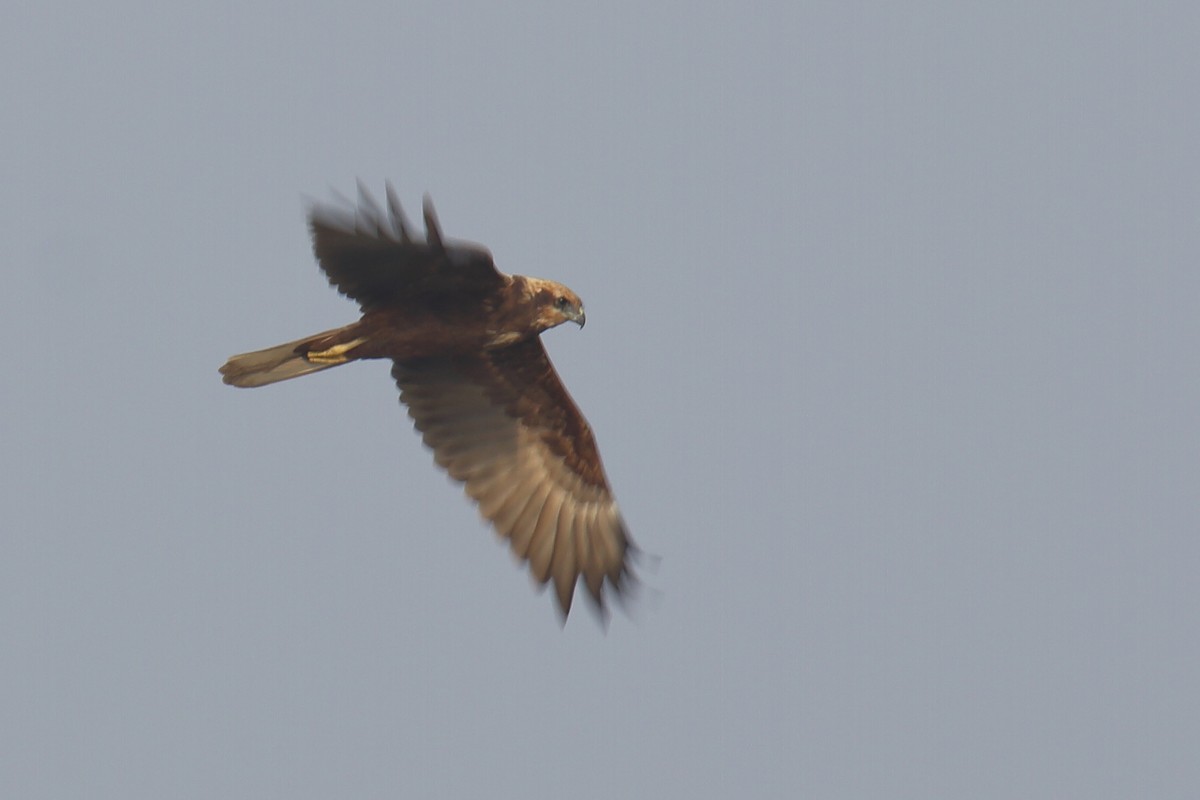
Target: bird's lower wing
[[504, 425]]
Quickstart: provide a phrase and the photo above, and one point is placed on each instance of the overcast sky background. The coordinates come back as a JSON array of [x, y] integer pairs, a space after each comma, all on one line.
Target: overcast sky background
[[891, 356]]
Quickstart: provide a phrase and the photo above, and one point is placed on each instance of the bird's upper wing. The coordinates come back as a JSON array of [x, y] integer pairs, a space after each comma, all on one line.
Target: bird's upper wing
[[503, 424], [372, 256]]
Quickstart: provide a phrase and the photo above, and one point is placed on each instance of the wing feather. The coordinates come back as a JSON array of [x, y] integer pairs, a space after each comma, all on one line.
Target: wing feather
[[590, 554], [511, 489], [548, 523], [521, 530], [563, 566], [541, 551], [520, 506], [528, 518]]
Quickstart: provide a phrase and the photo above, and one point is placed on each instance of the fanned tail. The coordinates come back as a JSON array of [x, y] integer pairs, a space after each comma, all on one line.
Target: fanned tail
[[282, 362]]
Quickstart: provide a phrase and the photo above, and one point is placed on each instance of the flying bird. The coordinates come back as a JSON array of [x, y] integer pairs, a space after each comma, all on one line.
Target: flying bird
[[464, 341]]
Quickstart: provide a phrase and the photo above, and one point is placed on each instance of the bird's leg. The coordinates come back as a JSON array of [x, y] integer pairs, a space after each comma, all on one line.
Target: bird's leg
[[335, 354]]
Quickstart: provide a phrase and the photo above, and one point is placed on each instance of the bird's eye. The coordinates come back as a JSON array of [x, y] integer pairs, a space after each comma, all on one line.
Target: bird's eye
[[563, 304]]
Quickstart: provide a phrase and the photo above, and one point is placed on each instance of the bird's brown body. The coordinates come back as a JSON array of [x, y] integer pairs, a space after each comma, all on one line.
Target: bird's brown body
[[464, 342], [426, 328]]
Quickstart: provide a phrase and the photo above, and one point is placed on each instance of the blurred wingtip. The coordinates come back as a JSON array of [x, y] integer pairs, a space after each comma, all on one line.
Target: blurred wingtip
[[400, 224], [433, 232]]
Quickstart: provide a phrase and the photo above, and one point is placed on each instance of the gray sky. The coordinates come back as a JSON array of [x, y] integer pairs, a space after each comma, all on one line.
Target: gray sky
[[891, 355]]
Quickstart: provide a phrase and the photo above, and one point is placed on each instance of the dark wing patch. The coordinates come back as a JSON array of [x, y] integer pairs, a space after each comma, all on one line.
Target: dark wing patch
[[503, 424], [372, 257]]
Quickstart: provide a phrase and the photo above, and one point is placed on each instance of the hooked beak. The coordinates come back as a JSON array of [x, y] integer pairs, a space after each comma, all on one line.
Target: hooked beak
[[577, 316]]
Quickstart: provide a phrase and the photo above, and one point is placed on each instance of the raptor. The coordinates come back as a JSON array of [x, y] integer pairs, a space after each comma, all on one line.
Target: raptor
[[464, 341]]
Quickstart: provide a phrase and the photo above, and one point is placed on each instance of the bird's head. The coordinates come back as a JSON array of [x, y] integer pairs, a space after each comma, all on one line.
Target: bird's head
[[555, 304]]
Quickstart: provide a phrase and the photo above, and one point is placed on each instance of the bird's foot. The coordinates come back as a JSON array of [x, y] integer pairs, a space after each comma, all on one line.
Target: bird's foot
[[335, 354]]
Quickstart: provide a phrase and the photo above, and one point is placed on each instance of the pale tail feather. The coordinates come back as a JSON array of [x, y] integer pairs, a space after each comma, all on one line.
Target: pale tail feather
[[274, 364]]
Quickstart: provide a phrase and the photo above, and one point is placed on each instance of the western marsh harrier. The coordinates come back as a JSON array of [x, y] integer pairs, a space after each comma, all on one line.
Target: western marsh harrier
[[464, 341]]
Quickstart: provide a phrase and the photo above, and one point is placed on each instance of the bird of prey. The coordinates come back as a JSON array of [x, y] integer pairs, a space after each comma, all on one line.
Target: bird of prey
[[464, 341]]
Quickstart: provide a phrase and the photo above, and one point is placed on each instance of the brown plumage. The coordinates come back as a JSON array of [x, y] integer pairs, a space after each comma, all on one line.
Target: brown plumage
[[464, 341]]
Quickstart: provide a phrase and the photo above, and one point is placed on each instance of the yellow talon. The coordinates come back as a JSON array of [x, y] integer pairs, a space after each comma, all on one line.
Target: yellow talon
[[335, 354]]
